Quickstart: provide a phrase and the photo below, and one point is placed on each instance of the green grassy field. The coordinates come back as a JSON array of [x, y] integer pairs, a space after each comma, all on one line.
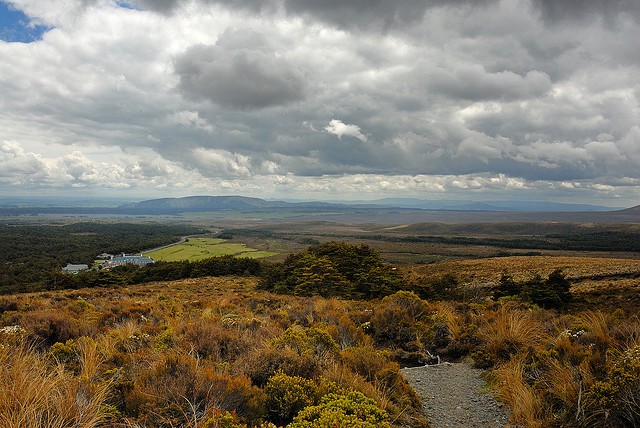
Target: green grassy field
[[203, 248]]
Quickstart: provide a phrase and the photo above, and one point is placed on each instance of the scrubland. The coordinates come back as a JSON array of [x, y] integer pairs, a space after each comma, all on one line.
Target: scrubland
[[202, 353], [231, 352]]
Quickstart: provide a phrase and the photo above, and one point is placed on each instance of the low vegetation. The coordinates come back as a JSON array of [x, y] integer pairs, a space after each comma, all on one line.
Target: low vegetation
[[200, 353], [316, 340]]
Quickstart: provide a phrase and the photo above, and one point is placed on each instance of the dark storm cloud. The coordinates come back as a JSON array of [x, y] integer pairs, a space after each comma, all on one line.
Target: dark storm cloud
[[345, 14], [608, 10], [239, 72], [162, 6], [360, 13], [475, 83], [441, 94], [167, 6]]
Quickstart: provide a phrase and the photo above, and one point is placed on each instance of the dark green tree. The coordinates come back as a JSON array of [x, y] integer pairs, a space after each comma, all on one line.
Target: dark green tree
[[552, 293], [333, 269], [507, 287]]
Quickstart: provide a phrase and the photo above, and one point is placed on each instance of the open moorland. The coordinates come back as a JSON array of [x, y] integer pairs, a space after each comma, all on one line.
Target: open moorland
[[317, 336]]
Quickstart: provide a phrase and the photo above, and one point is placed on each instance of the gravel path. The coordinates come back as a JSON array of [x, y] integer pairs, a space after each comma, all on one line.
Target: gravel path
[[453, 395]]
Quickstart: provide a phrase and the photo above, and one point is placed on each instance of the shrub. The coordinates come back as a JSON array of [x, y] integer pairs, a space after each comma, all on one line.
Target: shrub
[[262, 362], [350, 410], [223, 420], [7, 305], [47, 328], [619, 394], [308, 340], [211, 339], [319, 276], [552, 293], [366, 360], [66, 354], [178, 388], [447, 287], [402, 320], [346, 333], [287, 395]]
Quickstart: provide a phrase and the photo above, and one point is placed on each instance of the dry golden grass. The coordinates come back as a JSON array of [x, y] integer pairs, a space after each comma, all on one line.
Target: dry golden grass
[[36, 394], [521, 268], [525, 404], [606, 285], [223, 329], [509, 331], [171, 352], [450, 316]]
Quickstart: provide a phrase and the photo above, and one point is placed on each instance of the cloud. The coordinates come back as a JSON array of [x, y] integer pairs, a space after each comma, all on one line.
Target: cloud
[[381, 15], [396, 96], [609, 11], [630, 145], [75, 170], [190, 119], [475, 83], [218, 163], [239, 73], [337, 127], [362, 14], [483, 147], [17, 166], [162, 6]]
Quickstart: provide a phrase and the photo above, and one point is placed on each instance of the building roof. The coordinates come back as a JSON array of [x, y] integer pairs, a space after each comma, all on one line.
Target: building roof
[[141, 260], [74, 268]]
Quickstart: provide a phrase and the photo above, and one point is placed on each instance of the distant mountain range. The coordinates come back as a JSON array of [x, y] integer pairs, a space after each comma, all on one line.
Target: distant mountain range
[[409, 208], [214, 203], [217, 203], [201, 203], [502, 206]]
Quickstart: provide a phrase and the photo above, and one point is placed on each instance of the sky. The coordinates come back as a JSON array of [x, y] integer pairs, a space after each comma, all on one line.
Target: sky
[[334, 99]]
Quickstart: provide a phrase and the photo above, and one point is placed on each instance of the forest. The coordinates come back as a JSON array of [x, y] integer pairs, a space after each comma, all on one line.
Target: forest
[[32, 254]]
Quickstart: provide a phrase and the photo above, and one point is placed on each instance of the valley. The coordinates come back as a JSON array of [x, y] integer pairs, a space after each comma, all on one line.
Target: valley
[[322, 314]]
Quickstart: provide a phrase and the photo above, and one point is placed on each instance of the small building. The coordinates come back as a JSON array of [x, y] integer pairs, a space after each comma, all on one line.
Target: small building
[[122, 260], [74, 269], [104, 256]]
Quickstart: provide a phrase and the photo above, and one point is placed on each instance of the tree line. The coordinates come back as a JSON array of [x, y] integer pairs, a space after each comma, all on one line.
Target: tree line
[[31, 253]]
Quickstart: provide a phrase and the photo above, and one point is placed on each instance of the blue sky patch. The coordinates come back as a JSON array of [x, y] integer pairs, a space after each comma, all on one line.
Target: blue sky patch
[[15, 26], [126, 5]]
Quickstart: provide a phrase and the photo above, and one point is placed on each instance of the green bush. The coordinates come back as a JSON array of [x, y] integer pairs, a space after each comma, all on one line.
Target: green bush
[[402, 320], [306, 341], [287, 395], [618, 394], [447, 287], [350, 410], [64, 353], [223, 420]]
